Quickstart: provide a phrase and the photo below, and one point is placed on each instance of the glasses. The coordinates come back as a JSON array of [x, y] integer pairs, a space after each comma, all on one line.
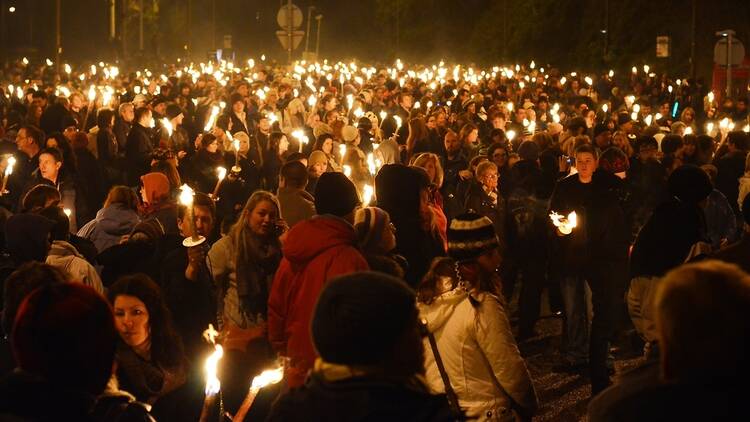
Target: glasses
[[490, 176]]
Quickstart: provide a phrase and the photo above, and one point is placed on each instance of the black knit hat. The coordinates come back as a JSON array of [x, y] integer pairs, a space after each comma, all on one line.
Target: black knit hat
[[335, 194], [173, 110], [469, 236], [613, 160], [528, 150], [689, 184], [360, 317]]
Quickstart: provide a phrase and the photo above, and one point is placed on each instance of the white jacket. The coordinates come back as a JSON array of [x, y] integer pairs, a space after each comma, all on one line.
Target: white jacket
[[479, 353], [64, 256], [744, 189]]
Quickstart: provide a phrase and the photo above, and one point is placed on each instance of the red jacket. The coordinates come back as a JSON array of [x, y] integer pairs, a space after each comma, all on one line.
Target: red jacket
[[315, 251]]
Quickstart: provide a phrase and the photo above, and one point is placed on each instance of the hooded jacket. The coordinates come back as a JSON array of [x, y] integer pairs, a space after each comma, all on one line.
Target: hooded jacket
[[316, 250], [110, 224], [480, 356], [64, 256]]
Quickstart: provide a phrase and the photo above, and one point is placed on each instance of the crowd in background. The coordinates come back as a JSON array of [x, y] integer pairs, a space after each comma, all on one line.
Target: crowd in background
[[423, 192]]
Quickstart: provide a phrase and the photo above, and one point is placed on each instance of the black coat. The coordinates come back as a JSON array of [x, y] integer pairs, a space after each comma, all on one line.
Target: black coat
[[665, 241], [601, 238], [359, 399], [138, 150], [731, 167], [480, 202]]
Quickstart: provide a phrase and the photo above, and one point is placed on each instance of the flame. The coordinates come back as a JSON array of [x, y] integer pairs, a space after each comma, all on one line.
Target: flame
[[221, 173], [67, 212], [367, 193], [9, 167], [510, 134], [186, 195], [347, 170], [688, 131], [210, 334], [211, 118], [167, 125], [564, 224], [268, 377], [213, 385]]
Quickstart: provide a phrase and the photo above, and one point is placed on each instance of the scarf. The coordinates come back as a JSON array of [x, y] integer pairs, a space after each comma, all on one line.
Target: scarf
[[256, 262]]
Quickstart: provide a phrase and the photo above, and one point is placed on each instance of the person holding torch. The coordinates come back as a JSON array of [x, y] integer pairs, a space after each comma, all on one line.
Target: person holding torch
[[591, 245]]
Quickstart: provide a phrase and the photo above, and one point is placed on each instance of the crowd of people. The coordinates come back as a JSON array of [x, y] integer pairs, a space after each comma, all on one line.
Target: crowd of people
[[391, 232]]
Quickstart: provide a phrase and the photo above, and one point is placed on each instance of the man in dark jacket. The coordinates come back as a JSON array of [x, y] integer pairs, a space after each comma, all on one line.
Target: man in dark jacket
[[731, 167], [123, 124], [185, 281], [370, 361], [739, 253], [454, 164], [596, 246], [139, 146], [526, 231]]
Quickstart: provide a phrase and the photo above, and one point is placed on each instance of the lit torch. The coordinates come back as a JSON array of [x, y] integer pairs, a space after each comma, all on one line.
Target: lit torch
[[186, 198], [8, 171], [564, 224], [266, 378], [211, 119], [213, 385], [221, 173]]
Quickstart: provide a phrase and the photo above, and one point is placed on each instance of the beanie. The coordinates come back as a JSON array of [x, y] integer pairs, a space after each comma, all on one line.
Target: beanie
[[27, 237], [528, 150], [600, 128], [613, 160], [349, 133], [369, 223], [321, 129], [469, 236], [689, 184], [360, 317], [173, 110], [335, 194], [152, 228], [66, 334]]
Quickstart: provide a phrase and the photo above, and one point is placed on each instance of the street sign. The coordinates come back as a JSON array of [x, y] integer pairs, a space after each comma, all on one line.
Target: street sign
[[737, 53], [662, 46], [283, 16], [283, 37]]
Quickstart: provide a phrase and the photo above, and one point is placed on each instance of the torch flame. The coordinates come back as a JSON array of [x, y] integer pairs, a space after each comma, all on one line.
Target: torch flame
[[268, 377], [367, 192], [221, 173], [347, 170], [167, 125], [186, 195], [9, 167], [211, 118], [213, 385], [564, 224]]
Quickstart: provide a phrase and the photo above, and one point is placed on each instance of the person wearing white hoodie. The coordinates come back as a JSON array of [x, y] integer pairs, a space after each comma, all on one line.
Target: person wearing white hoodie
[[461, 303]]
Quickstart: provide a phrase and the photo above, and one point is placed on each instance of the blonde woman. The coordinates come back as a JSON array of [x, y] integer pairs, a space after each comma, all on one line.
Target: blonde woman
[[243, 264], [431, 164]]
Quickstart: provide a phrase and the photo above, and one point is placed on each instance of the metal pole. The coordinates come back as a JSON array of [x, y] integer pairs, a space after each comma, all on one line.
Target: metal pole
[[213, 25], [112, 16], [289, 29], [307, 34], [692, 39], [319, 18], [505, 29], [140, 27], [398, 33], [58, 38], [606, 28], [189, 44], [729, 65]]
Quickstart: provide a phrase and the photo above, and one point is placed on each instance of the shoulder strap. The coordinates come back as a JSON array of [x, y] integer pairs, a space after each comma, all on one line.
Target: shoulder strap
[[449, 392]]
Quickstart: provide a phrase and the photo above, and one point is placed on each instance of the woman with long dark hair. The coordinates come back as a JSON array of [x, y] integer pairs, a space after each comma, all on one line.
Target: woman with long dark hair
[[150, 358]]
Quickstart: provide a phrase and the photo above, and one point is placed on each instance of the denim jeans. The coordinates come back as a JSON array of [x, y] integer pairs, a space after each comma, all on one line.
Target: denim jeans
[[575, 343], [604, 306]]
